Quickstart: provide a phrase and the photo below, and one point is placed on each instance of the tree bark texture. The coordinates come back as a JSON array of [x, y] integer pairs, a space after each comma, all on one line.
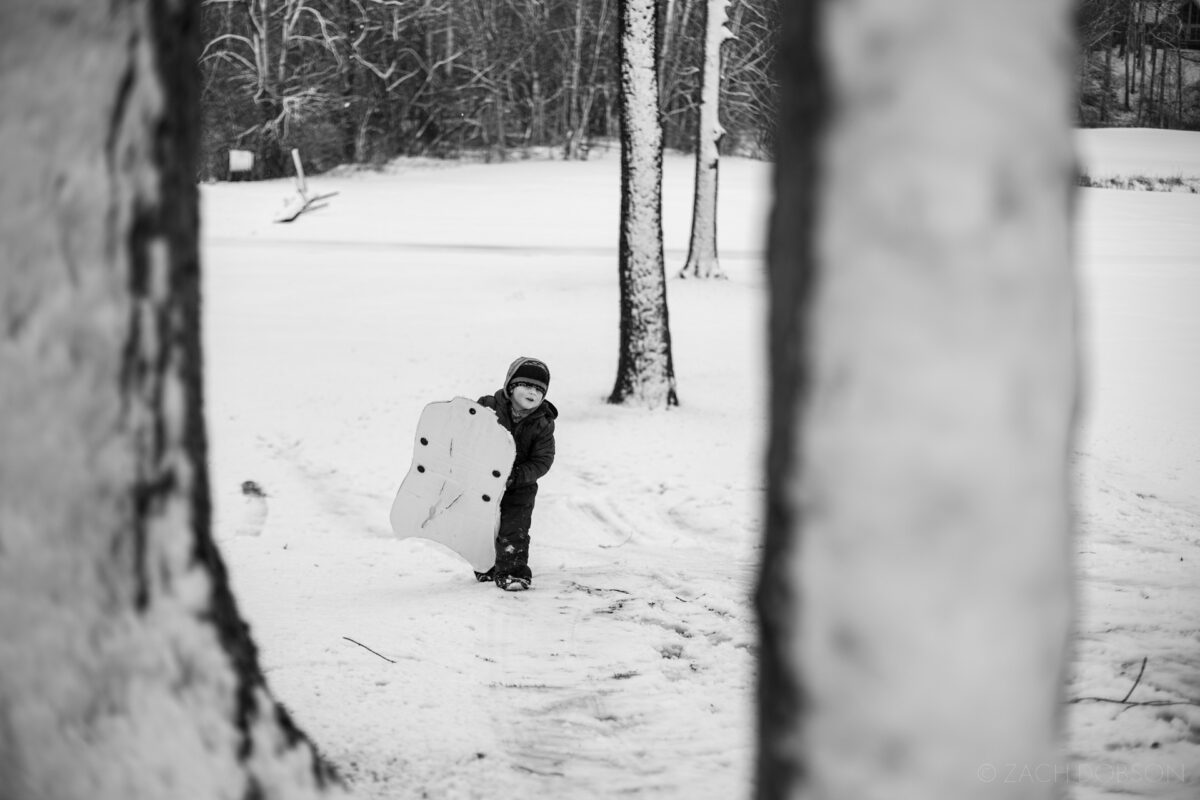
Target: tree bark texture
[[702, 260], [645, 371], [125, 669], [915, 592]]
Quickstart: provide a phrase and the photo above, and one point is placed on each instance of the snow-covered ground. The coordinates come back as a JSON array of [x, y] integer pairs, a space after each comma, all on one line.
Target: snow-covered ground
[[629, 668], [1125, 152]]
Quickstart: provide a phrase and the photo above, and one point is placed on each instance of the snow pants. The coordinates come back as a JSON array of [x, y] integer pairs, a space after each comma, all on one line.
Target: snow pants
[[512, 540]]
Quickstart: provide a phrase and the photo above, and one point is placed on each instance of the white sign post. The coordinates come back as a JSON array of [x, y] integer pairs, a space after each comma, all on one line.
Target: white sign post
[[241, 162]]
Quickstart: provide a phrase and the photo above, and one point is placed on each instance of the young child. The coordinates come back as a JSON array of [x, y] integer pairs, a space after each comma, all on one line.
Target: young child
[[522, 408]]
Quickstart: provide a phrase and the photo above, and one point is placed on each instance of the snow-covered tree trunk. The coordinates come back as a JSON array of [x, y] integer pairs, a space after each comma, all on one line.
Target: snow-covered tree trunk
[[915, 598], [645, 372], [125, 669], [702, 261]]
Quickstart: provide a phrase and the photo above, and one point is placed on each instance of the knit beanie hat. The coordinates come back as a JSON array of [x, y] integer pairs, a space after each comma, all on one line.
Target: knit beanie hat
[[528, 370]]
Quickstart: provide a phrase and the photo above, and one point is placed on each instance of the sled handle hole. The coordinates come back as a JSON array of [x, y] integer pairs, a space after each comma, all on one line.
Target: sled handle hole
[[420, 468], [487, 498], [424, 440], [470, 411], [495, 473]]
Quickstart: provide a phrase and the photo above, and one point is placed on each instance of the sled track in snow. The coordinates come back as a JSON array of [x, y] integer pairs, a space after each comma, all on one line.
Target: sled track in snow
[[581, 701], [578, 688]]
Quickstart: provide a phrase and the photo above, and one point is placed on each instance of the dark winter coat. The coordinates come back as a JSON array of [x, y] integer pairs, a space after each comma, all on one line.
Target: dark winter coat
[[534, 438]]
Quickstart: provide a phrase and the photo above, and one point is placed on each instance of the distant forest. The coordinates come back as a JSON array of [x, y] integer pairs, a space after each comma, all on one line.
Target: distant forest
[[365, 81], [1139, 63]]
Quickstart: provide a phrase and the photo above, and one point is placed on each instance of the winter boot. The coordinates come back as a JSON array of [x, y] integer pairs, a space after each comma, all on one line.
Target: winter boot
[[513, 583]]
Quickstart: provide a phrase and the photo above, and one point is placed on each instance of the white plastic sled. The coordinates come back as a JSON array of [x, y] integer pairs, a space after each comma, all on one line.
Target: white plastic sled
[[451, 494]]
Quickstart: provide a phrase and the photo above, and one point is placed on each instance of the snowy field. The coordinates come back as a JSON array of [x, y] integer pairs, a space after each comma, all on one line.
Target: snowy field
[[629, 669]]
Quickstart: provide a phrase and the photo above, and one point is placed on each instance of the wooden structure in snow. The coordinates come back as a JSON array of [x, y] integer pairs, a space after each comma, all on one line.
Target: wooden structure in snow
[[302, 201]]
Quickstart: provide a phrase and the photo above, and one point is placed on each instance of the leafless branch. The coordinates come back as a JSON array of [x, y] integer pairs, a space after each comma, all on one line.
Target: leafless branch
[[363, 646], [1124, 701]]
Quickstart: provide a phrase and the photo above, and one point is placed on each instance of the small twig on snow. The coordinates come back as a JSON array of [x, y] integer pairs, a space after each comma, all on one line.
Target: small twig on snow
[[364, 647], [1136, 680], [1124, 701], [1139, 703], [628, 539]]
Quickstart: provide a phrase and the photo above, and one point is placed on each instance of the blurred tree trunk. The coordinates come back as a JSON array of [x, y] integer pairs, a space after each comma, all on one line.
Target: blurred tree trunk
[[645, 371], [1161, 107], [350, 112], [126, 672], [666, 15], [597, 79], [1127, 47], [1179, 81], [450, 41], [1106, 84], [702, 261], [915, 597], [1149, 106], [1140, 88], [499, 149], [575, 120]]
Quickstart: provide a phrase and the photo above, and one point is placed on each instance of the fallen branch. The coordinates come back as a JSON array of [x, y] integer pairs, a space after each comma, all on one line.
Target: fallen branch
[[299, 205], [1136, 680], [1138, 703], [302, 201], [364, 647], [1124, 701]]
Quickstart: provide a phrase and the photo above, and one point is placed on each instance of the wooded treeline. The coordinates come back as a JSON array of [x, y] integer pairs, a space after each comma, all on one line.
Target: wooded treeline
[[1140, 63], [367, 80], [364, 81]]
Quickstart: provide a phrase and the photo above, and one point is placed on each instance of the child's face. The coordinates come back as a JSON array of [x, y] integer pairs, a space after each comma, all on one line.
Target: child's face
[[526, 396]]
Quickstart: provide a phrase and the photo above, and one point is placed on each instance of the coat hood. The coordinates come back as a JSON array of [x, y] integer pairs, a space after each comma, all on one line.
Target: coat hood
[[531, 369]]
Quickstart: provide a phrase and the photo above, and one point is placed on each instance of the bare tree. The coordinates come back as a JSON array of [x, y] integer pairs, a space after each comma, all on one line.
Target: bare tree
[[582, 90], [645, 370], [1098, 23], [283, 58], [915, 592], [125, 668], [674, 20], [749, 87], [575, 67], [371, 79], [681, 41], [702, 260]]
